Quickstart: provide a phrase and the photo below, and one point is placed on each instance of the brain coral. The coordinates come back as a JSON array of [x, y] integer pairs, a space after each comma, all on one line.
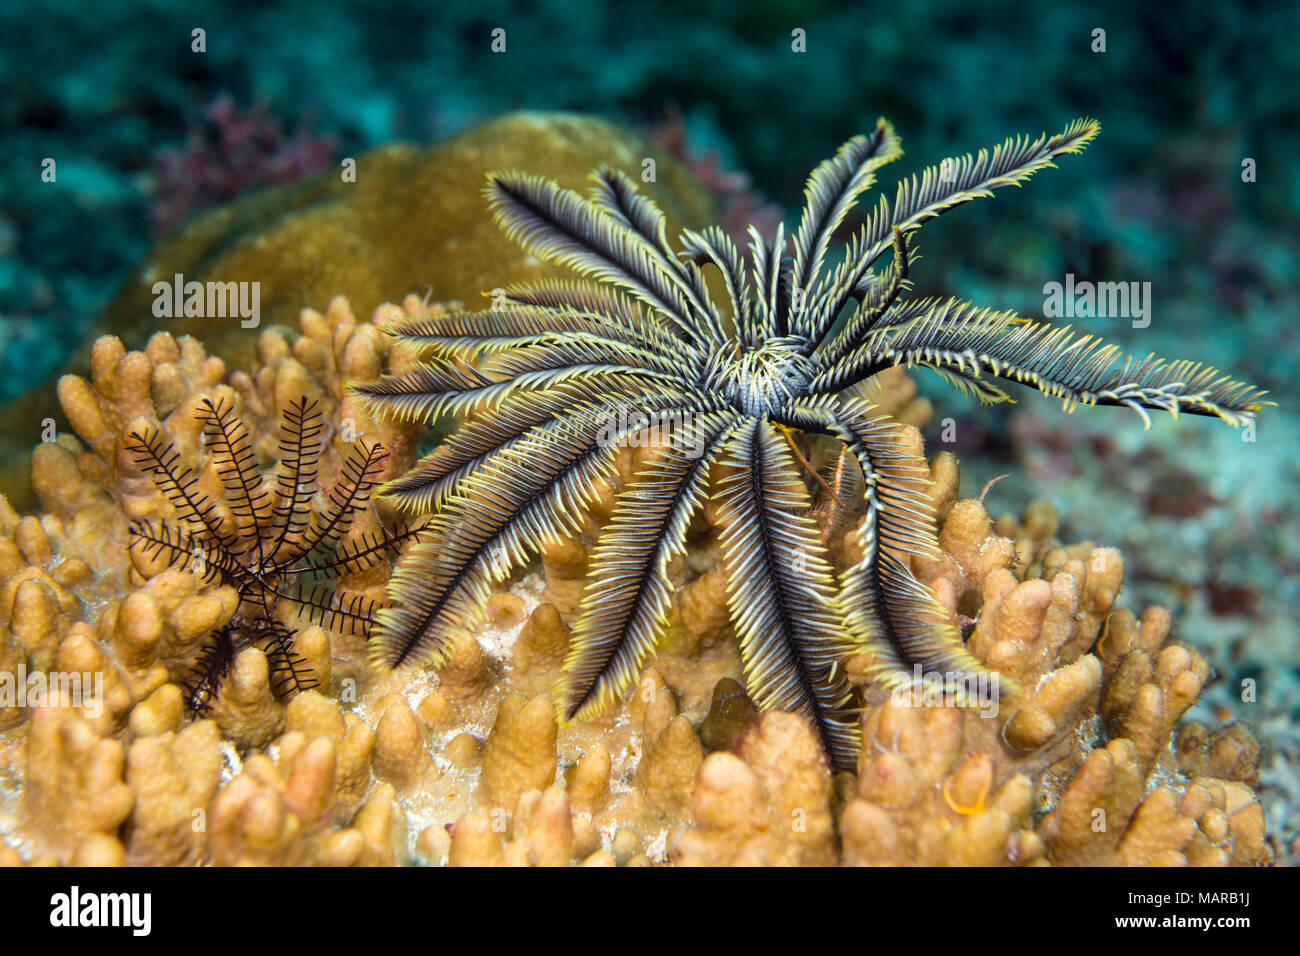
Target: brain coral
[[468, 766]]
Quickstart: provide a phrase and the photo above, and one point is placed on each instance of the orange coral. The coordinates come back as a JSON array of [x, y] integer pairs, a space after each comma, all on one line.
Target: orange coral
[[469, 766]]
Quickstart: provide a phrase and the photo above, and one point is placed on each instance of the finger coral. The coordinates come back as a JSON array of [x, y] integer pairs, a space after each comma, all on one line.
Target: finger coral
[[1092, 764], [1082, 770], [112, 757]]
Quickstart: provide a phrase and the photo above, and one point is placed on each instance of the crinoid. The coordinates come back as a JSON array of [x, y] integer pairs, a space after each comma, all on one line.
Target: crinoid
[[545, 376], [270, 537]]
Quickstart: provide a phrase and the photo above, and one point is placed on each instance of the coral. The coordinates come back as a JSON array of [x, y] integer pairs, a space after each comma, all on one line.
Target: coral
[[519, 754], [768, 804], [469, 766], [671, 753], [75, 789], [74, 559], [374, 232], [1089, 768], [279, 237], [278, 812], [78, 601], [174, 776]]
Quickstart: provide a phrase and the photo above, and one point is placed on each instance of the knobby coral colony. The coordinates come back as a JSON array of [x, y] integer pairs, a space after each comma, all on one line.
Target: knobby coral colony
[[542, 377], [269, 542]]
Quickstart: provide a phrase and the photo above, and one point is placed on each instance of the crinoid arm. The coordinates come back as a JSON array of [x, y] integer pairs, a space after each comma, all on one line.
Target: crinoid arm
[[208, 671], [301, 431], [781, 591], [435, 477], [968, 345], [919, 198], [452, 383], [624, 607], [250, 503], [324, 606], [713, 246], [287, 670], [541, 384], [832, 191], [516, 498], [877, 295], [160, 459], [889, 614], [177, 549], [613, 243], [369, 550]]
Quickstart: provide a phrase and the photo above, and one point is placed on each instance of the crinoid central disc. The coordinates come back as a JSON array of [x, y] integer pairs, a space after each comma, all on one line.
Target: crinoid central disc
[[762, 379]]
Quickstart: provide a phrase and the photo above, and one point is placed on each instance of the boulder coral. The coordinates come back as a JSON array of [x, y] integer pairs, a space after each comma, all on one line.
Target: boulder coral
[[370, 219], [1092, 764]]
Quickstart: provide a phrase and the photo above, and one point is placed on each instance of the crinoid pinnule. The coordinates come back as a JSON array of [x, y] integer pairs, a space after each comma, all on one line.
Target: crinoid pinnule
[[276, 538], [540, 377]]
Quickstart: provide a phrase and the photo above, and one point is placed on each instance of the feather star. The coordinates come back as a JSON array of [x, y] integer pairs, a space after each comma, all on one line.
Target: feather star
[[545, 381]]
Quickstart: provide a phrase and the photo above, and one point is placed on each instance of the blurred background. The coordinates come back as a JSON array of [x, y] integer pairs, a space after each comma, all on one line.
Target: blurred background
[[148, 134]]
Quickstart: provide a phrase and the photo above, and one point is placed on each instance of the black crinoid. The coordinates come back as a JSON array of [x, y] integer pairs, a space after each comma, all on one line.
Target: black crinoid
[[547, 377], [274, 537]]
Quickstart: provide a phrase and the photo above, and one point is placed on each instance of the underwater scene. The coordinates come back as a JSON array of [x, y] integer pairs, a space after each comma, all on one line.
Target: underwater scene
[[654, 433]]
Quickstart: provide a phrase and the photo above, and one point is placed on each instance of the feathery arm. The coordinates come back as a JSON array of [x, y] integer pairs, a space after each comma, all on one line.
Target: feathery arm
[[938, 189], [780, 591], [832, 190], [626, 601], [559, 225], [966, 342]]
